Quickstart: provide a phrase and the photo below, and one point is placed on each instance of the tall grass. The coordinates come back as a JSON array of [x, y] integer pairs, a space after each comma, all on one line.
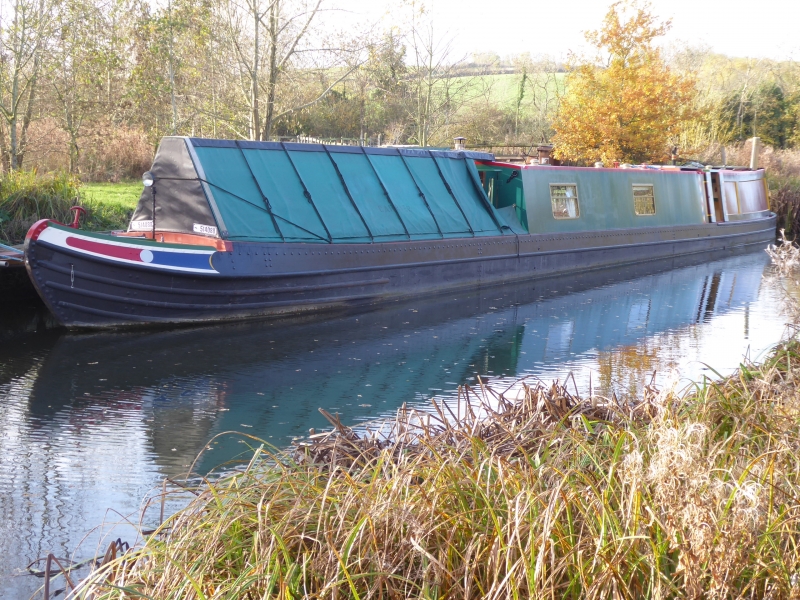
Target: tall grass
[[26, 197], [542, 495], [785, 202]]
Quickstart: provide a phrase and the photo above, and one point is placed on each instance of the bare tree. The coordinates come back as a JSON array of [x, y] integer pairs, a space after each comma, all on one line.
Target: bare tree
[[439, 91], [546, 82], [268, 38], [72, 72], [24, 37]]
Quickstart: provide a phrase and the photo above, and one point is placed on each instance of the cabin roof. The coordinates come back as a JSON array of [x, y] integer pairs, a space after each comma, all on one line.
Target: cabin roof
[[734, 172]]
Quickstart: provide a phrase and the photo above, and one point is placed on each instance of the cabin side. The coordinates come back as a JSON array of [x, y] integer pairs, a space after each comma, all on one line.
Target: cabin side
[[314, 193], [548, 199]]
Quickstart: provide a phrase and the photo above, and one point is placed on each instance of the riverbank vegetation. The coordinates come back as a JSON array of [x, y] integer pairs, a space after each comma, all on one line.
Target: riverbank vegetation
[[90, 87], [529, 492], [628, 110], [26, 197]]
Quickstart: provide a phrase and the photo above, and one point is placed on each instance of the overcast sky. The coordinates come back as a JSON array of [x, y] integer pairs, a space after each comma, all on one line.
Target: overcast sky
[[761, 28]]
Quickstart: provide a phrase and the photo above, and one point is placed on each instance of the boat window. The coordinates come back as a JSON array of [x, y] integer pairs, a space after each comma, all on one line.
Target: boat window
[[644, 200], [565, 201]]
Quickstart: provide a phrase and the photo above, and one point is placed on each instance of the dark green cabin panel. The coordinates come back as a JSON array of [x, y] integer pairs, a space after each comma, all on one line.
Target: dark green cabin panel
[[605, 198], [503, 186]]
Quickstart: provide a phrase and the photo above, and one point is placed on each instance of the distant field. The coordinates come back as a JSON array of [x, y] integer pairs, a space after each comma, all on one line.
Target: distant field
[[124, 194], [502, 89]]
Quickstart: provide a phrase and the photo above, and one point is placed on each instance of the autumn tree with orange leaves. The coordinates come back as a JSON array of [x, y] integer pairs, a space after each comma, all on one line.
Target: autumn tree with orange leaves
[[626, 105]]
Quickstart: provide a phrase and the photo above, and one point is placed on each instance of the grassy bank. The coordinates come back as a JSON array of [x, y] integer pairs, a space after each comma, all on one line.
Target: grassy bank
[[125, 193], [539, 494], [25, 198]]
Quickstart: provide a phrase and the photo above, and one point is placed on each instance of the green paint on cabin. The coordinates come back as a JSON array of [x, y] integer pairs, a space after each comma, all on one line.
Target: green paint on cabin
[[273, 192], [604, 198]]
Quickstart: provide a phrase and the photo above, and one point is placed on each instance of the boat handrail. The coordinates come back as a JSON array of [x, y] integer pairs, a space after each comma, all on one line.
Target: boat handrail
[[11, 249]]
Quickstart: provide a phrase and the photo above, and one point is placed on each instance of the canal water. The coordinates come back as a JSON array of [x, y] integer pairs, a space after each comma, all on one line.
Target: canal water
[[91, 423]]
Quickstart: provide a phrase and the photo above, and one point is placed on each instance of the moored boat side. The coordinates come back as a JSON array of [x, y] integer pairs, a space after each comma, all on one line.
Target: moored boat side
[[318, 227], [15, 285], [84, 289]]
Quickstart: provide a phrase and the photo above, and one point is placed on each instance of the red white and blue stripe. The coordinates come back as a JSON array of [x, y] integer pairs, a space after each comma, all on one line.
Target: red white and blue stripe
[[152, 255]]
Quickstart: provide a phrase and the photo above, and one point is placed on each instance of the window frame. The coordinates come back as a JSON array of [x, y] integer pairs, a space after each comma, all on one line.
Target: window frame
[[633, 196], [577, 201]]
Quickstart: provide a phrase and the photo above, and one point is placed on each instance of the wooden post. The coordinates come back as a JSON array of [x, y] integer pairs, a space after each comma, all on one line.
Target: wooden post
[[754, 152]]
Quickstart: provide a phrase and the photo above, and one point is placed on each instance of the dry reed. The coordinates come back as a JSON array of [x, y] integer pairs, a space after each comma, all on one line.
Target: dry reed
[[527, 492], [522, 493]]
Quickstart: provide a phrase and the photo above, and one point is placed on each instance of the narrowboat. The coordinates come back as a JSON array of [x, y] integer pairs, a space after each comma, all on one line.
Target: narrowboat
[[238, 229]]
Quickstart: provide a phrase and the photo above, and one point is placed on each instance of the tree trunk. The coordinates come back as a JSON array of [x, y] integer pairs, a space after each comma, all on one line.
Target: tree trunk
[[172, 73], [274, 15], [28, 116], [4, 152], [13, 144], [255, 117], [74, 153]]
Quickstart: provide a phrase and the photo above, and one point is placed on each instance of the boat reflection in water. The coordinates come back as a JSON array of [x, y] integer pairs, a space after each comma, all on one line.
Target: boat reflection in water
[[91, 422], [268, 379]]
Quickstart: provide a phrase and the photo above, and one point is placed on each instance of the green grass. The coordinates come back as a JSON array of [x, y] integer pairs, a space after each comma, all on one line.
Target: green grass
[[124, 193], [26, 197], [503, 88]]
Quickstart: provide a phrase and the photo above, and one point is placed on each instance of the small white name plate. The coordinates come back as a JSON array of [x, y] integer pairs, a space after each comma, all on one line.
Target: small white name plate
[[204, 229], [141, 226]]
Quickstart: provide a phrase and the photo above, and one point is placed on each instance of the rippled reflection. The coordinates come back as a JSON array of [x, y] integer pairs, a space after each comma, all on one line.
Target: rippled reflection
[[91, 422]]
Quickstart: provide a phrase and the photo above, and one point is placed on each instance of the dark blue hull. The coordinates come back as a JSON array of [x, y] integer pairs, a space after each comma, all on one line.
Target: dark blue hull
[[251, 279]]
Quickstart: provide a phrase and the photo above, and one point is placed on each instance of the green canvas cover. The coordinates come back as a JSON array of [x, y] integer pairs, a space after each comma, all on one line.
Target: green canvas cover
[[405, 195], [296, 215], [271, 191], [237, 195]]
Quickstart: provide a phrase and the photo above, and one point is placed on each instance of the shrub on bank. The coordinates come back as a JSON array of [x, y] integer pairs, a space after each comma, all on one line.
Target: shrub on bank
[[785, 202], [543, 495], [26, 197]]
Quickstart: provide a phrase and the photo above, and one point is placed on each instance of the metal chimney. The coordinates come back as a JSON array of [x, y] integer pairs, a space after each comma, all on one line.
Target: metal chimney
[[543, 152], [460, 143]]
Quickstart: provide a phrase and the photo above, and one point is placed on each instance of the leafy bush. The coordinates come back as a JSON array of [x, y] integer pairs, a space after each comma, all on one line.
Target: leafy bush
[[26, 197]]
